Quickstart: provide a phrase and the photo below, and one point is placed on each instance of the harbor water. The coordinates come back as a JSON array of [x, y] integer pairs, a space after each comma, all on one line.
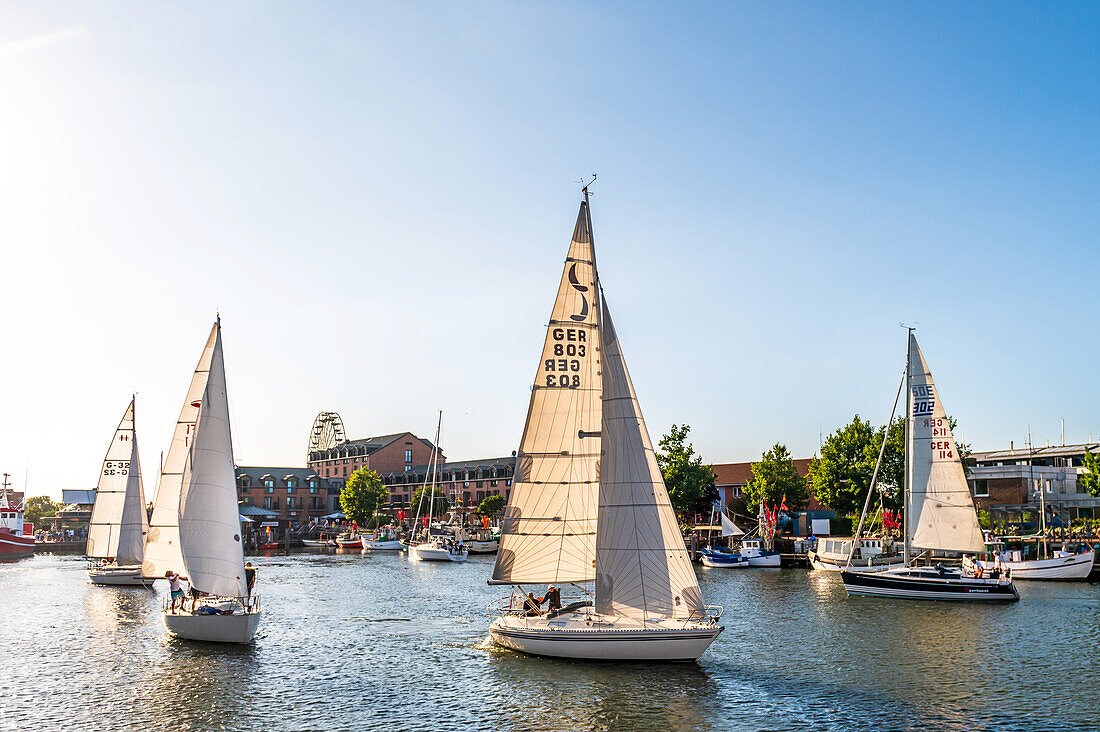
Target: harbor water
[[375, 642]]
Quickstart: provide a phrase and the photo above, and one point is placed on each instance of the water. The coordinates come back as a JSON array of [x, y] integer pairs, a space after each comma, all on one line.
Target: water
[[374, 642]]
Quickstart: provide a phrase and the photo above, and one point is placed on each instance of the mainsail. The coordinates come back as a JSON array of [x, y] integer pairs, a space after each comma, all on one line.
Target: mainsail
[[548, 530], [642, 565], [209, 522], [118, 523], [941, 511], [162, 547]]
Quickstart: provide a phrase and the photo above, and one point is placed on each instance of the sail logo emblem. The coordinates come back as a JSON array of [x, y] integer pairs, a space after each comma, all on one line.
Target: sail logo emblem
[[583, 315], [924, 400]]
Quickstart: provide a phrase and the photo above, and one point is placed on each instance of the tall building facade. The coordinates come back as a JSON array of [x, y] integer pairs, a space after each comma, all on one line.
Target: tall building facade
[[470, 480], [385, 454]]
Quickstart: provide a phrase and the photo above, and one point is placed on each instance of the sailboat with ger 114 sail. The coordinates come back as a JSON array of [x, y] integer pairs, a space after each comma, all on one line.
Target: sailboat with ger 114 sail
[[938, 509], [589, 505]]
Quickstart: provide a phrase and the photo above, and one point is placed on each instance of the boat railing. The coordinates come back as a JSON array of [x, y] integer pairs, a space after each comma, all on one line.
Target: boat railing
[[714, 612], [228, 605], [515, 604]]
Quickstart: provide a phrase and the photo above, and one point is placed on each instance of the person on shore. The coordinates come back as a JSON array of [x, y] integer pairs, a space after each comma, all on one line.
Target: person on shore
[[249, 577], [174, 586], [532, 605]]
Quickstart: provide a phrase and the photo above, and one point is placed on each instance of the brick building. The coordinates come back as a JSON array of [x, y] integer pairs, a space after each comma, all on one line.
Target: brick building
[[1012, 479], [733, 477], [384, 454], [295, 495], [472, 480]]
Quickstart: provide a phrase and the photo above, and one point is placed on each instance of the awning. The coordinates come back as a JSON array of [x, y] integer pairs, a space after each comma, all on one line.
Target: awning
[[335, 516]]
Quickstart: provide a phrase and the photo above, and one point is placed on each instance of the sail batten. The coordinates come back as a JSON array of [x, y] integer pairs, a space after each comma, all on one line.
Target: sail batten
[[162, 546], [941, 509]]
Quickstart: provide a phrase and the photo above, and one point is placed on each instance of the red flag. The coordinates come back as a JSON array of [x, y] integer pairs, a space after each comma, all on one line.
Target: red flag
[[400, 515], [783, 503]]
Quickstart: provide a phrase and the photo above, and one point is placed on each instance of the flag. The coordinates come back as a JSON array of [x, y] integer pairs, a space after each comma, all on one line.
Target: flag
[[783, 503]]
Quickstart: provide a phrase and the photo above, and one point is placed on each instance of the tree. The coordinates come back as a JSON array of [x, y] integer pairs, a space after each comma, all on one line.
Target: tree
[[362, 495], [690, 483], [1091, 479], [491, 505], [433, 493], [774, 479], [840, 477], [35, 509]]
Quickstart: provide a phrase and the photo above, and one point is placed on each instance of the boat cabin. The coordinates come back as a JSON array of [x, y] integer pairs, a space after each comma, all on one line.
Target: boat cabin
[[837, 550]]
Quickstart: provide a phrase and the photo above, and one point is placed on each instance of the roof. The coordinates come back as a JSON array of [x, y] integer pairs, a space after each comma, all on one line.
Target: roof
[[259, 473], [483, 463], [372, 444], [1038, 452], [81, 497], [741, 473], [250, 510]]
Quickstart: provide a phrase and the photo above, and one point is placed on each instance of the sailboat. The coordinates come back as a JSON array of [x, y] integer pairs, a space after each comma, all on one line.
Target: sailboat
[[938, 510], [588, 503], [195, 530], [718, 556], [435, 548], [116, 531]]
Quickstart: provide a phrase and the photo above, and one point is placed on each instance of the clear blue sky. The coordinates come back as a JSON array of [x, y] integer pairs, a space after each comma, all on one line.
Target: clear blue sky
[[378, 198]]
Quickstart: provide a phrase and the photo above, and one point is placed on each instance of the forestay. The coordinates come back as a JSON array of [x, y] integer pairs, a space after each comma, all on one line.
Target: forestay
[[642, 565], [118, 522], [209, 522], [162, 547], [549, 527], [941, 511]]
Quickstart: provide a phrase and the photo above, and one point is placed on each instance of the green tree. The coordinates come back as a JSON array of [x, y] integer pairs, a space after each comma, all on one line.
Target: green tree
[[35, 509], [840, 476], [362, 495], [491, 505], [774, 479], [1091, 479], [439, 506], [690, 483]]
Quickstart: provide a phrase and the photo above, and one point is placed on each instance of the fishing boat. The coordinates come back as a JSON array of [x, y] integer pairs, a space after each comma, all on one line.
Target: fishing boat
[[759, 553], [588, 503], [1063, 565], [195, 529], [938, 511], [117, 528], [717, 556], [16, 535], [385, 539], [836, 555]]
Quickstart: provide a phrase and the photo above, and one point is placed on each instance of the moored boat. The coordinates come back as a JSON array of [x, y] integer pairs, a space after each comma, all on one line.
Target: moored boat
[[833, 555], [1067, 566], [759, 554], [16, 537], [716, 556], [349, 540]]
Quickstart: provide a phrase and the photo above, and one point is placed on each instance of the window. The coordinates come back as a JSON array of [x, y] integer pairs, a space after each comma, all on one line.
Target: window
[[312, 488], [345, 471], [508, 482], [270, 489], [269, 482], [981, 488], [494, 484], [408, 456]]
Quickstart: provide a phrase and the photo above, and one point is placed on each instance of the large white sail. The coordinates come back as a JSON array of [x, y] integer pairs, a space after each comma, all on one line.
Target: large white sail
[[114, 476], [941, 511], [209, 522], [135, 521], [162, 546], [549, 527], [642, 564]]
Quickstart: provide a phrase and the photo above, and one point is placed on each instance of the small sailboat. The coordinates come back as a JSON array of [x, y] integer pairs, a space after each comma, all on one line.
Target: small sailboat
[[938, 509], [589, 505], [717, 556], [435, 547], [195, 530], [116, 531]]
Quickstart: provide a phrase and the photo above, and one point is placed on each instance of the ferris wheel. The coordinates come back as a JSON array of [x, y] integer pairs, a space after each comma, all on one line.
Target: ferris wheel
[[328, 431]]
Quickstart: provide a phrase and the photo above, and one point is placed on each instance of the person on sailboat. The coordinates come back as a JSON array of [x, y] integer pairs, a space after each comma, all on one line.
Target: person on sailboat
[[553, 598], [249, 577], [175, 586], [532, 605]]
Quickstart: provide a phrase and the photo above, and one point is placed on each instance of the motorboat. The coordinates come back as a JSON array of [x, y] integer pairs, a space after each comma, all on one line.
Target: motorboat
[[758, 555], [832, 555], [930, 583], [384, 540], [441, 549], [1064, 565], [349, 540]]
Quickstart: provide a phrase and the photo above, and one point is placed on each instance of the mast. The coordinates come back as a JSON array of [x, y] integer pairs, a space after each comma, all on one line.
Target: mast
[[908, 456], [1042, 493]]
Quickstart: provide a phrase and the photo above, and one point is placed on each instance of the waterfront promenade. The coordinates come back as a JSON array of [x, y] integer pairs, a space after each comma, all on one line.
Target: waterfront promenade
[[360, 642]]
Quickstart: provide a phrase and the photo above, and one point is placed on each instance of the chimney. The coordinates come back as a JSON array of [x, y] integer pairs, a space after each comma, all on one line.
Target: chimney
[[1011, 445]]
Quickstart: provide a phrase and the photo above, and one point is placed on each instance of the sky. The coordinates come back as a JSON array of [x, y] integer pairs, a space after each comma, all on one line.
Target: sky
[[377, 198]]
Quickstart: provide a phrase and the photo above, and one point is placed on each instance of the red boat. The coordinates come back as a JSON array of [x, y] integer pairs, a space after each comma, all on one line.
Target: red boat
[[16, 537]]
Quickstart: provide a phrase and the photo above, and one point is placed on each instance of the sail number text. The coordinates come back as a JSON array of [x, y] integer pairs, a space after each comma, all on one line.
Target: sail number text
[[924, 400], [565, 372], [116, 467]]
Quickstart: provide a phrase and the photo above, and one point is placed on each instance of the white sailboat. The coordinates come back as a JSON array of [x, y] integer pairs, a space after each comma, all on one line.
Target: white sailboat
[[938, 509], [588, 502], [435, 548], [116, 531], [195, 530]]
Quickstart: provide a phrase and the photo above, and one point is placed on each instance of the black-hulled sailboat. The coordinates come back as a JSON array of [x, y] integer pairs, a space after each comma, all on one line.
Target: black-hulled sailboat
[[939, 512]]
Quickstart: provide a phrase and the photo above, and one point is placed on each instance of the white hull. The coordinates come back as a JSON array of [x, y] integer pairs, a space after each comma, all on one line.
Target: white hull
[[1072, 567], [318, 542], [482, 547], [382, 545], [765, 560], [236, 628], [826, 565], [119, 576], [437, 554], [628, 641]]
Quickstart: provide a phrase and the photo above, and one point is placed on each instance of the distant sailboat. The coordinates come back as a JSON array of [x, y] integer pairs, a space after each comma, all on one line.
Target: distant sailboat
[[939, 511], [435, 548], [196, 528], [116, 531], [588, 502]]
